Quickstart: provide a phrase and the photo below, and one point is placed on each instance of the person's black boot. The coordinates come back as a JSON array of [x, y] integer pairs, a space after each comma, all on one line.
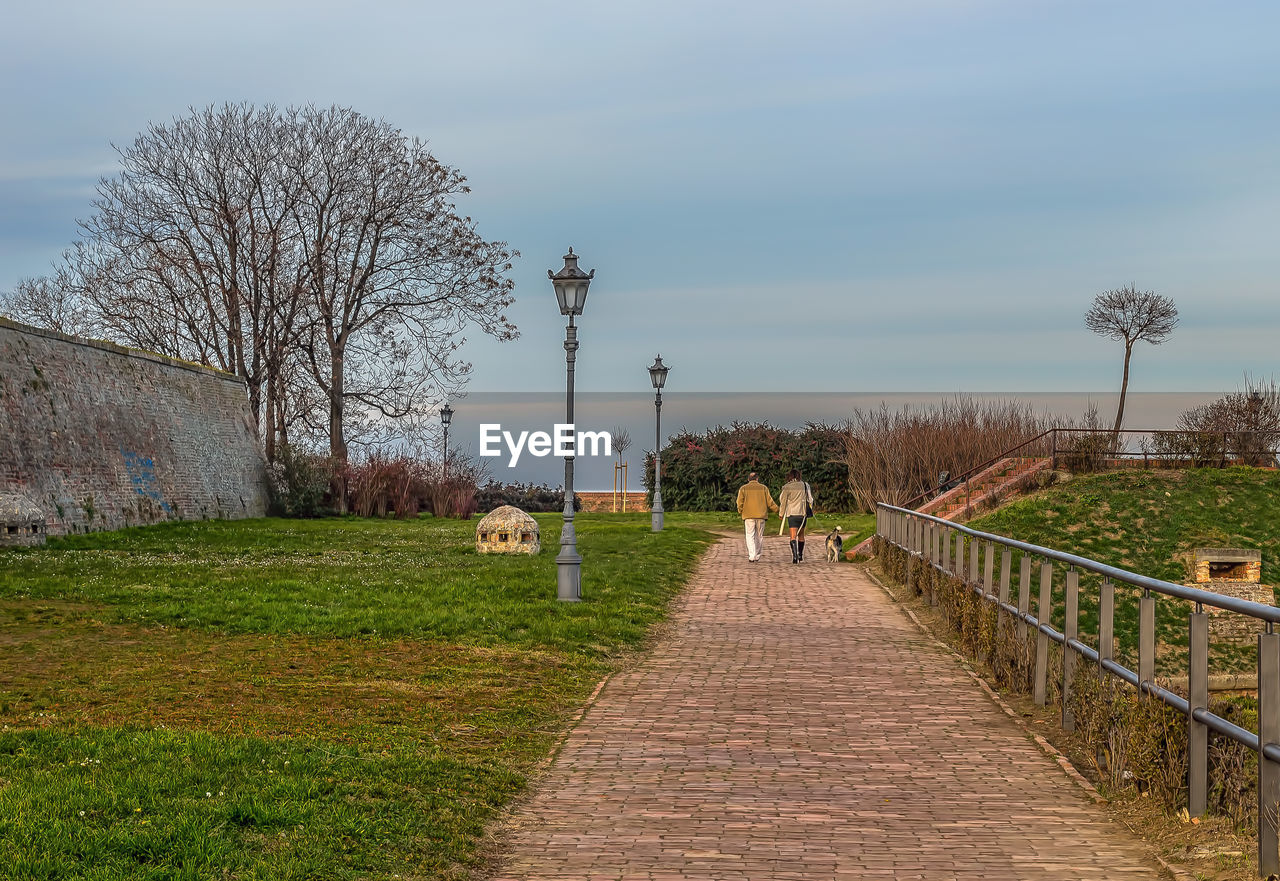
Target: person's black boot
[[800, 556], [795, 552]]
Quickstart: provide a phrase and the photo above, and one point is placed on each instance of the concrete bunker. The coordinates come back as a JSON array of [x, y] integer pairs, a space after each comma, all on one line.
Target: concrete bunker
[[22, 522]]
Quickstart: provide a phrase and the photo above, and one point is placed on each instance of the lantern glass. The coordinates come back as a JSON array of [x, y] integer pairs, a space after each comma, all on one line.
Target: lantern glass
[[571, 285], [658, 373], [446, 414]]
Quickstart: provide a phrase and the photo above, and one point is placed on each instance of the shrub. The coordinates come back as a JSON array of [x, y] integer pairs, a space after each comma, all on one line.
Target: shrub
[[298, 482], [1086, 449], [702, 472], [529, 497]]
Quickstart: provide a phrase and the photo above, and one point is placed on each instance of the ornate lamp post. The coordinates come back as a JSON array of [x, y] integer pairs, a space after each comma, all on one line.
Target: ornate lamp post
[[446, 416], [658, 376], [571, 285]]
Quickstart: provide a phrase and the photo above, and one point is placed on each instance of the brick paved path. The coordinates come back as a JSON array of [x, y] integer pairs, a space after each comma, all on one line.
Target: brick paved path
[[796, 725]]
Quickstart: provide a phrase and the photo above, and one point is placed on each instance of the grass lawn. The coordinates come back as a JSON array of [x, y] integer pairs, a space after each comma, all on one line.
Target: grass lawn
[[300, 699], [1148, 522]]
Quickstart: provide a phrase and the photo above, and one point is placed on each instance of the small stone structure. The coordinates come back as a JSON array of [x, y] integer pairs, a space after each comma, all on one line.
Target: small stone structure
[[22, 522], [1228, 564], [508, 530], [1233, 572]]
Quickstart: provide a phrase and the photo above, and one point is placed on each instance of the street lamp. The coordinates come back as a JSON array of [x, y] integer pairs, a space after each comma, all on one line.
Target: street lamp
[[571, 285], [446, 416], [658, 376]]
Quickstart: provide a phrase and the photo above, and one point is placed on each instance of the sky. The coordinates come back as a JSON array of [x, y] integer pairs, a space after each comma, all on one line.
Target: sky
[[841, 197]]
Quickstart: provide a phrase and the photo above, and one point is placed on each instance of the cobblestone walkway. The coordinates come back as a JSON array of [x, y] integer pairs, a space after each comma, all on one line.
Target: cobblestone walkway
[[794, 724]]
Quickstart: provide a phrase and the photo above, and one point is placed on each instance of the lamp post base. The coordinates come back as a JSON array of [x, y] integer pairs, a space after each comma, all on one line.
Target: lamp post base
[[569, 579], [657, 511]]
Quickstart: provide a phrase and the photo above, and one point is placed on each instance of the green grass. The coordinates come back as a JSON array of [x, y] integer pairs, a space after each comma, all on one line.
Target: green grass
[[297, 699], [1147, 522]]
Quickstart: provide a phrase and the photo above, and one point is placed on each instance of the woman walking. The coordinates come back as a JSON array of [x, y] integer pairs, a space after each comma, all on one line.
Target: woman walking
[[795, 506]]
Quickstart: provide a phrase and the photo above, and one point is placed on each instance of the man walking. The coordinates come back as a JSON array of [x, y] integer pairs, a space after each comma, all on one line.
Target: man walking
[[754, 504]]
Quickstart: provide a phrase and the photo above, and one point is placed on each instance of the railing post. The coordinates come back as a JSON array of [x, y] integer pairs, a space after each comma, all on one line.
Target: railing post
[[935, 543], [1024, 594], [1146, 641], [1268, 733], [1106, 621], [960, 556], [1053, 459], [1070, 632], [1044, 612], [1006, 566], [974, 548], [989, 569], [1197, 698], [910, 549]]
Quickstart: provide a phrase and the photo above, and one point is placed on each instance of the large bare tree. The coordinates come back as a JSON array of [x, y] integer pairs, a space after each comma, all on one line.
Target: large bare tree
[[393, 271], [1131, 315]]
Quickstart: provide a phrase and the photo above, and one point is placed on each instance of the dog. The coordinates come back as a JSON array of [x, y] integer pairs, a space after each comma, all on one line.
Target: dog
[[834, 545]]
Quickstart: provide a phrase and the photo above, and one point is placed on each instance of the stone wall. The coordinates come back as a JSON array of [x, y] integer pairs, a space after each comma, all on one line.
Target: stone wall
[[100, 436]]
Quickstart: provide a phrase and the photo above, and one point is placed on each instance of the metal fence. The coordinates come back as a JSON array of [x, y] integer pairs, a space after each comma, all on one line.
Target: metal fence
[[931, 541]]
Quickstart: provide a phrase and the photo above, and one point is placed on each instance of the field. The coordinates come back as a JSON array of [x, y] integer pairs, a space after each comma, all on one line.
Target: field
[[300, 699]]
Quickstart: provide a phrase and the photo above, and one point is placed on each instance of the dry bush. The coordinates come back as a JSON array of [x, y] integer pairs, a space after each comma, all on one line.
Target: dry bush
[[401, 486], [452, 492], [1086, 447], [382, 484], [894, 456], [1242, 427]]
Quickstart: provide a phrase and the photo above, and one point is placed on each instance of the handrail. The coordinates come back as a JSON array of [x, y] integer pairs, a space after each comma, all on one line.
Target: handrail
[[927, 540], [1168, 588]]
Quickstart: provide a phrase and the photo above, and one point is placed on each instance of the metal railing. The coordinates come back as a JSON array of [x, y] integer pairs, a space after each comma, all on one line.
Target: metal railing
[[932, 541]]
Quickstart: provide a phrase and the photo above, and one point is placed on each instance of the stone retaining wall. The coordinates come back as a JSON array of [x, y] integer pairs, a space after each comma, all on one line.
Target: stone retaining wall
[[100, 436]]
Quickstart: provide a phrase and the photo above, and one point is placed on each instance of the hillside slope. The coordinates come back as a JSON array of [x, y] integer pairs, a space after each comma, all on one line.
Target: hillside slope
[[1150, 521]]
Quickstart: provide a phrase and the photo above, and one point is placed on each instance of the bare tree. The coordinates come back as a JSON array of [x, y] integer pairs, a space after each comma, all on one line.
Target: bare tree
[[393, 272], [51, 302], [1131, 315]]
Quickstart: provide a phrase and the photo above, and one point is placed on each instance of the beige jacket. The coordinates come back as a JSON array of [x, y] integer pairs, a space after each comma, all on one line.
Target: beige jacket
[[755, 501], [794, 499]]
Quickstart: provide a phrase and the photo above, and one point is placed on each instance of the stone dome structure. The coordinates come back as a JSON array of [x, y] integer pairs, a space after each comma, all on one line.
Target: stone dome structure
[[508, 530], [22, 522]]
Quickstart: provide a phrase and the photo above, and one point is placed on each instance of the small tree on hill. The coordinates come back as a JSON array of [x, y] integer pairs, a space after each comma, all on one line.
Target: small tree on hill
[[1130, 315]]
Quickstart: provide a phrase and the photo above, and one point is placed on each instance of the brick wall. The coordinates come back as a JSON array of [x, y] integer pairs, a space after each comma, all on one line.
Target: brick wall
[[603, 501], [103, 437]]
